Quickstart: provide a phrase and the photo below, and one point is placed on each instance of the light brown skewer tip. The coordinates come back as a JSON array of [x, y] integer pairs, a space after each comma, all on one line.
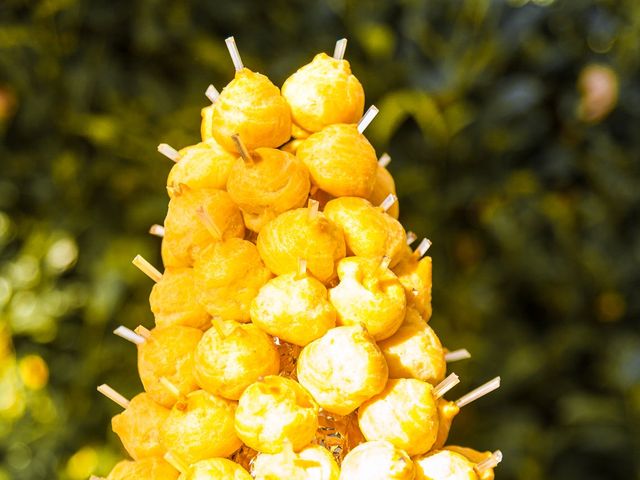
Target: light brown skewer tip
[[388, 202], [143, 332], [242, 149], [208, 222], [235, 54], [341, 47], [156, 230], [146, 268], [212, 93], [367, 118], [313, 206], [489, 462], [114, 396], [422, 248], [457, 355], [445, 385], [479, 392], [302, 269], [384, 160], [129, 335], [411, 237], [169, 152], [171, 388]]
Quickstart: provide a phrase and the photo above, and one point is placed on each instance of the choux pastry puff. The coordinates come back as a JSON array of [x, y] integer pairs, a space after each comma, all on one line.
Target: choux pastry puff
[[311, 463], [382, 188], [457, 463], [151, 468], [215, 469], [414, 274], [203, 165], [377, 460]]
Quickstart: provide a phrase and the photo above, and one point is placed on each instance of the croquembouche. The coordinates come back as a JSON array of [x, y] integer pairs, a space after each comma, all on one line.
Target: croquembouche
[[291, 336]]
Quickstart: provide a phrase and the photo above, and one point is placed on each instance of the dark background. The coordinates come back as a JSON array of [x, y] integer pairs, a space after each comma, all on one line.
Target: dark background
[[514, 129]]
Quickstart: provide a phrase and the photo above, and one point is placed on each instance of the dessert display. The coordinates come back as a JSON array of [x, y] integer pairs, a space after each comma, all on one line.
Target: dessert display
[[291, 337]]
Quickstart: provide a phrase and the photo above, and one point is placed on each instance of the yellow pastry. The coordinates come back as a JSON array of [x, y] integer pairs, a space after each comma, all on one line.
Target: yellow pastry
[[151, 468], [444, 465], [204, 165], [215, 469], [341, 161], [168, 353], [378, 460], [414, 351], [200, 426], [293, 308], [324, 92], [477, 457], [368, 231], [369, 294], [414, 274], [252, 107], [174, 300], [231, 356], [275, 412], [138, 427], [228, 275], [311, 463], [342, 369]]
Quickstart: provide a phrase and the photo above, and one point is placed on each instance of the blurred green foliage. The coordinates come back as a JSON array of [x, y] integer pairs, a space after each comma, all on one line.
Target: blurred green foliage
[[514, 129]]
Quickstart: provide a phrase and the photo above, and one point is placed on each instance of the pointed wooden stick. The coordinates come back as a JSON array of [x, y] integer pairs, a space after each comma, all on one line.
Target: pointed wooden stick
[[489, 462], [212, 93], [235, 54], [384, 160], [445, 385], [114, 396], [156, 230], [367, 118], [388, 202], [313, 207], [146, 268], [242, 149], [422, 248], [457, 355], [208, 222], [169, 152], [302, 269], [411, 237], [174, 190], [143, 332], [166, 383], [341, 47], [129, 335], [479, 392]]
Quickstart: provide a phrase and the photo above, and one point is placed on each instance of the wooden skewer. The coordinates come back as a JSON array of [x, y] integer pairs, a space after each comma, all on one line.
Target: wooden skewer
[[212, 93], [242, 149], [111, 394], [235, 54], [302, 269], [445, 385], [411, 237], [422, 248], [208, 222], [388, 202], [215, 323], [156, 230], [367, 118], [384, 160], [146, 268], [341, 47], [175, 391], [129, 335], [457, 355], [479, 392], [143, 332], [169, 152], [313, 206], [489, 462]]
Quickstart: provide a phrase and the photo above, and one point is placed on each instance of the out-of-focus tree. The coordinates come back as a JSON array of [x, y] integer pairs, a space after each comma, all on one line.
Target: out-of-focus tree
[[513, 127]]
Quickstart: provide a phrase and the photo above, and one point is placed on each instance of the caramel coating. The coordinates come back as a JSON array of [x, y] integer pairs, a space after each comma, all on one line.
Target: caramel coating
[[414, 351], [292, 146], [275, 181], [251, 106], [382, 188], [368, 231], [186, 234], [378, 460], [138, 427], [341, 161], [447, 411], [476, 457], [294, 235], [215, 469], [311, 463], [415, 275], [444, 465], [275, 412], [324, 92], [206, 125], [151, 468], [342, 369], [228, 275], [231, 356], [369, 295], [204, 165], [169, 354], [200, 426], [294, 309], [404, 413], [174, 301], [299, 133]]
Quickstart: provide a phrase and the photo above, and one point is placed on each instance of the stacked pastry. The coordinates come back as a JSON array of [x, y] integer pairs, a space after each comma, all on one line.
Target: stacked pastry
[[291, 336]]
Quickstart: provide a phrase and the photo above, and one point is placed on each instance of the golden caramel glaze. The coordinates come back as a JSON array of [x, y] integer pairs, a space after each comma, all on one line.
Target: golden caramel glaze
[[231, 356], [187, 232], [368, 294], [276, 181], [275, 412], [475, 457], [311, 463], [228, 276], [382, 188], [341, 161], [444, 465], [324, 92], [138, 427], [415, 276], [169, 354], [320, 196], [404, 413], [215, 469], [294, 235], [204, 165], [252, 107], [292, 146], [174, 300], [342, 369], [293, 308], [206, 125], [447, 411], [378, 460], [200, 426], [414, 351], [151, 468], [368, 231]]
